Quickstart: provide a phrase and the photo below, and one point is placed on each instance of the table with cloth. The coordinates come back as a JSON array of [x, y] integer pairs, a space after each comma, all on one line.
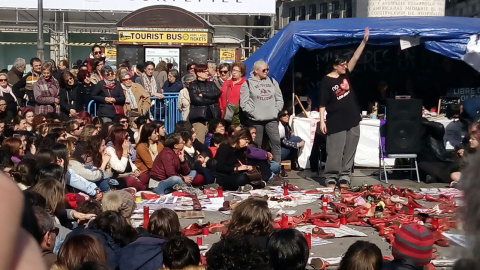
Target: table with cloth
[[367, 149]]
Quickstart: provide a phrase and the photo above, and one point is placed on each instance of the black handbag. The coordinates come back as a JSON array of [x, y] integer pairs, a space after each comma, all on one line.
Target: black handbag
[[197, 113]]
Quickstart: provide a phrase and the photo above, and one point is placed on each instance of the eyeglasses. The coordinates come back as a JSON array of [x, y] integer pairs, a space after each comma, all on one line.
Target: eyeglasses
[[97, 52], [79, 127], [127, 79], [223, 71], [265, 70], [123, 121], [109, 73], [55, 230], [235, 70], [3, 80]]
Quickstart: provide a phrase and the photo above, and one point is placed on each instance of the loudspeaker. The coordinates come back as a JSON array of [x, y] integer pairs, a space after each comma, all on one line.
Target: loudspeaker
[[403, 122]]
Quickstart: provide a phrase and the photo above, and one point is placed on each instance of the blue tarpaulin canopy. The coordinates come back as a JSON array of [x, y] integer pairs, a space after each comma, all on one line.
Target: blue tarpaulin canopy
[[448, 36]]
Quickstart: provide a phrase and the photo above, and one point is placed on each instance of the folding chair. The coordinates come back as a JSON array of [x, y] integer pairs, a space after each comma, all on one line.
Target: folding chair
[[383, 154]]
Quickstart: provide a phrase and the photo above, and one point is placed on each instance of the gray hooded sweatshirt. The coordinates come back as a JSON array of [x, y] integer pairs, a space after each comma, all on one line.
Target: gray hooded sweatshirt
[[262, 99]]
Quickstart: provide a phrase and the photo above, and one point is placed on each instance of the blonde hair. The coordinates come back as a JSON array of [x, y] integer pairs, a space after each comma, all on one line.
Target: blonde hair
[[111, 201], [53, 192], [258, 64]]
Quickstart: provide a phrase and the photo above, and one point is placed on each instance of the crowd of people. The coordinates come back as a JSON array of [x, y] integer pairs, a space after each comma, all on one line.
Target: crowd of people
[[79, 173]]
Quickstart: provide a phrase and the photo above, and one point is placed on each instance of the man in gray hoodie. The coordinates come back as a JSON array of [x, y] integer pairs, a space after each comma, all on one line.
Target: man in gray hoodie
[[261, 99]]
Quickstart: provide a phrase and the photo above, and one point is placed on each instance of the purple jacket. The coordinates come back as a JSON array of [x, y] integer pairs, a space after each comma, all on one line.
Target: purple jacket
[[256, 153]]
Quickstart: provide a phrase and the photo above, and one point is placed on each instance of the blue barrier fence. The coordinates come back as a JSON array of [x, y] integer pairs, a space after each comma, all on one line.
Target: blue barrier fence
[[163, 109]]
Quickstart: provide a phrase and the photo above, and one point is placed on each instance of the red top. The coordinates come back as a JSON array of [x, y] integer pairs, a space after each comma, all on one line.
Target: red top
[[233, 93], [168, 164]]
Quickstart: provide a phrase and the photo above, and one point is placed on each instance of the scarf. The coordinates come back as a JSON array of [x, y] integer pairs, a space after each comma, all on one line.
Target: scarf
[[129, 97], [7, 90], [109, 84], [51, 86], [149, 84], [189, 150]]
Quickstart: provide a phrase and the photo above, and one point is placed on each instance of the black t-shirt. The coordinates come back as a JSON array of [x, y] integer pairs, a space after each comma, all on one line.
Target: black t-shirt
[[338, 98]]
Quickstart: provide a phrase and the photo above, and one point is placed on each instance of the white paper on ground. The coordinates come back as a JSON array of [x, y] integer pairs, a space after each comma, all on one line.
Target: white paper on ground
[[457, 238], [331, 261], [288, 212], [444, 263], [317, 241]]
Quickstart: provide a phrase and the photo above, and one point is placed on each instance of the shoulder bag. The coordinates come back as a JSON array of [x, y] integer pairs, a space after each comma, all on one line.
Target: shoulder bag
[[229, 109]]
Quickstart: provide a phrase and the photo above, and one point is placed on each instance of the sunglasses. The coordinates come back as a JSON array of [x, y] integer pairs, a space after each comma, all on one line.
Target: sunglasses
[[97, 52], [3, 80], [127, 79], [223, 71], [55, 230], [109, 73], [265, 70], [79, 127], [123, 121]]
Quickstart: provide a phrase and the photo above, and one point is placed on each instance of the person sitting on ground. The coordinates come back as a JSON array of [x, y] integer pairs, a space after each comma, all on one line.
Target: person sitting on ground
[[473, 147], [412, 248], [263, 159], [236, 254], [251, 219], [290, 143], [197, 161], [48, 233], [231, 159], [170, 166], [362, 255], [92, 207], [24, 173], [288, 250], [181, 253], [216, 140], [120, 201], [216, 125], [147, 251], [148, 147], [79, 249]]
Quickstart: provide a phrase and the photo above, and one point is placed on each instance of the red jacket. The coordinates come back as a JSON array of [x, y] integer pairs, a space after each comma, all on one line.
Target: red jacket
[[233, 93], [168, 164]]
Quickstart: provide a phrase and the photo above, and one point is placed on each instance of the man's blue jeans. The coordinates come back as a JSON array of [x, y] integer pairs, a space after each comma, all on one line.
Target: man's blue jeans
[[166, 186]]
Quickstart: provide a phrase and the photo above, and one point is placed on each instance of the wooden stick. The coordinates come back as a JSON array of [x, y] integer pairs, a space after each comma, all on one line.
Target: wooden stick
[[301, 106]]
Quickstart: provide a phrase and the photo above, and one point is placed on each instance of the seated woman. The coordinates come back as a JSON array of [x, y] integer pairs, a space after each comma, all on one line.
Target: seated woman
[[170, 166], [288, 249], [79, 249], [261, 158], [71, 178], [216, 125], [147, 251], [120, 161], [290, 143], [14, 148], [181, 253], [251, 219], [148, 147], [137, 99], [231, 157], [196, 161], [92, 174], [465, 156]]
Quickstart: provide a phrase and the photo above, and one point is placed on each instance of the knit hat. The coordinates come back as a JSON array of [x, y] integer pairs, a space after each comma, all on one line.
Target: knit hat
[[413, 242], [26, 109]]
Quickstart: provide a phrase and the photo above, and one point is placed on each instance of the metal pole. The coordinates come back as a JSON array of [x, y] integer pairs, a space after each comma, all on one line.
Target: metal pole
[[293, 85], [40, 47]]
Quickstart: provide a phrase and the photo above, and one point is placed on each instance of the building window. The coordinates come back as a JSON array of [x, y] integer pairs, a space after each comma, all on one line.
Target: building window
[[291, 14], [323, 10], [313, 12], [348, 9], [336, 9], [301, 13]]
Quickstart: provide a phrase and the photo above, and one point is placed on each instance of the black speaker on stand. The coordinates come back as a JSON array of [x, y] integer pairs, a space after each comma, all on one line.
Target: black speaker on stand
[[403, 122]]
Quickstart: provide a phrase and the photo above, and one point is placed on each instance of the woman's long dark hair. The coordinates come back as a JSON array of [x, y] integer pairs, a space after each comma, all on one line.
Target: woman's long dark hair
[[243, 133], [91, 150], [61, 152], [147, 131]]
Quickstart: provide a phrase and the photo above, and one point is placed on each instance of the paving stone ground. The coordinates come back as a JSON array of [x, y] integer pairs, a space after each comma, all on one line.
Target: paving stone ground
[[308, 180]]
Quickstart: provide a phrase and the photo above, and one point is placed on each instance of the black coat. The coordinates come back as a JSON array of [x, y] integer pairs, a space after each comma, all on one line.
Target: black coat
[[100, 92], [69, 98], [400, 264], [205, 107], [85, 94]]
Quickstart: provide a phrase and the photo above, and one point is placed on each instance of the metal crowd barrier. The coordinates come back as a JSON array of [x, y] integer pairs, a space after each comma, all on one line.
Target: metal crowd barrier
[[163, 109]]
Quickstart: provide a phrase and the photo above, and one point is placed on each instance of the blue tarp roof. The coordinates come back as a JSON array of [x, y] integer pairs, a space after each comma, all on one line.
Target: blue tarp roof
[[444, 35]]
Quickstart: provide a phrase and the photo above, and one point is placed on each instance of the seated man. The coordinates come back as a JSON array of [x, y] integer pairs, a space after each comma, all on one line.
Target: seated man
[[170, 167], [48, 233]]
